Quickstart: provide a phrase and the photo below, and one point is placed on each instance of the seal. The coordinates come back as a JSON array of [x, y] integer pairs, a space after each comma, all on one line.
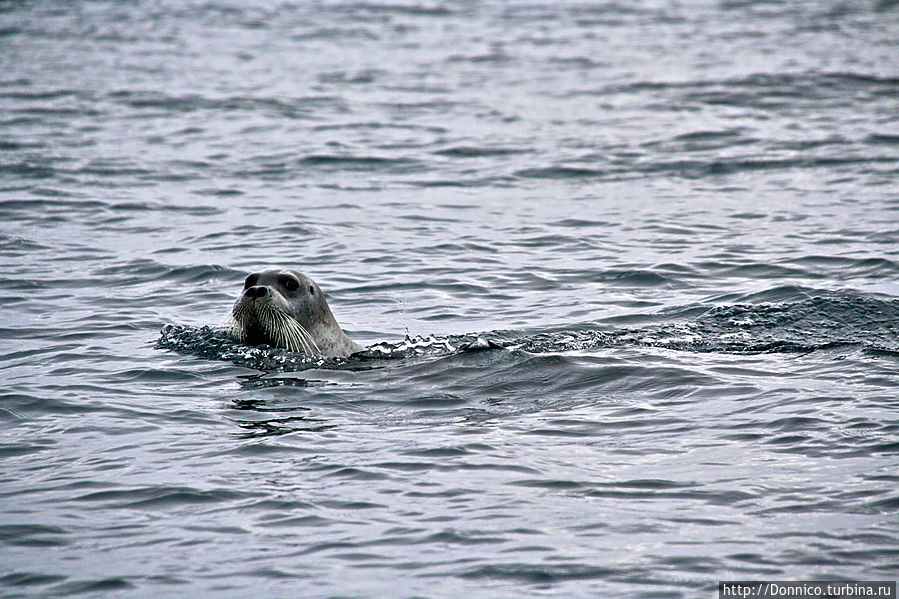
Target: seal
[[285, 308]]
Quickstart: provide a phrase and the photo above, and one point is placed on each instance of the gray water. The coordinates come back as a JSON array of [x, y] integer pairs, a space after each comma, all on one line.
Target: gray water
[[628, 275]]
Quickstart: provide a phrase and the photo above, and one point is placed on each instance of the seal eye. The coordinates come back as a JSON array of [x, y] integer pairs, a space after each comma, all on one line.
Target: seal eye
[[289, 283], [311, 290], [251, 280]]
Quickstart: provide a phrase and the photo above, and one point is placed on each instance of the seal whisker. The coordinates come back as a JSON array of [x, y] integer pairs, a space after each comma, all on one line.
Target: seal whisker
[[291, 337], [286, 331], [307, 338], [232, 325], [294, 339]]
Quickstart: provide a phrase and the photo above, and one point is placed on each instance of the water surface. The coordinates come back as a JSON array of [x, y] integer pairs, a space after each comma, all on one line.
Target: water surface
[[628, 273]]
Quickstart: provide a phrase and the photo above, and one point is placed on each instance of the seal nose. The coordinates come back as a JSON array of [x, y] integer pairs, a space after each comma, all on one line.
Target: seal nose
[[257, 291]]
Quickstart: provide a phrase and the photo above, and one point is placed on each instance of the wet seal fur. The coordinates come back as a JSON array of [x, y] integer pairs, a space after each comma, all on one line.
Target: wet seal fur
[[285, 308]]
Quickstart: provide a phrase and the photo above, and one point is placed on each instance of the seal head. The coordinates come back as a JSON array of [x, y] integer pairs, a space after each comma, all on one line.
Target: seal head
[[285, 308]]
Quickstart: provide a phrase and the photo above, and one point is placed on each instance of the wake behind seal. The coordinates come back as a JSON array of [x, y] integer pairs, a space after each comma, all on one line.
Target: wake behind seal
[[284, 308]]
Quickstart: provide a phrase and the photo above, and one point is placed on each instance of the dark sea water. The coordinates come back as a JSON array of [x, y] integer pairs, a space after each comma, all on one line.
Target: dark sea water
[[627, 272]]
